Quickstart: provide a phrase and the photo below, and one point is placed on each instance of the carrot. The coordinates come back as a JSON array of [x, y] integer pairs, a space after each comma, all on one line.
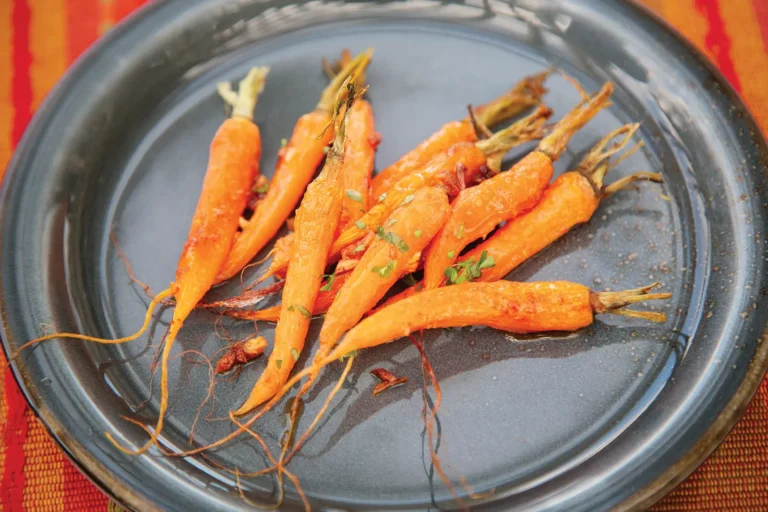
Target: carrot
[[478, 210], [359, 154], [281, 255], [524, 94], [462, 164], [297, 163], [572, 199], [508, 306], [233, 167], [316, 222], [411, 227]]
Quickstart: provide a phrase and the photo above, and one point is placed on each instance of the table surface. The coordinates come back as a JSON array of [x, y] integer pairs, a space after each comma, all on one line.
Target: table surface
[[40, 38]]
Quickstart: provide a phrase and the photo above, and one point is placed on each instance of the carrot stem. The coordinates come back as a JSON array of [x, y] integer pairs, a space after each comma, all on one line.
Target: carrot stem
[[243, 102]]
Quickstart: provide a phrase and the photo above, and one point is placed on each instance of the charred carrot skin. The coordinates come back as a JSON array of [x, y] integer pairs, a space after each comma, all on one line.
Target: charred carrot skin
[[477, 211], [412, 227], [316, 221], [504, 305], [296, 164], [359, 154], [526, 93]]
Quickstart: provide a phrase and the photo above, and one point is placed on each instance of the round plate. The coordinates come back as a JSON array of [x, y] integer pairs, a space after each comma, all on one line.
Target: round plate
[[614, 414]]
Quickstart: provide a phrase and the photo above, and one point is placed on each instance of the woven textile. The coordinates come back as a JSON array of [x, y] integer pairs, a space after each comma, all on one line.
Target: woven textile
[[40, 38]]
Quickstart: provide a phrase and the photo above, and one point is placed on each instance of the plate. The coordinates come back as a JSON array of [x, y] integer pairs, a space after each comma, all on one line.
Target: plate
[[611, 416]]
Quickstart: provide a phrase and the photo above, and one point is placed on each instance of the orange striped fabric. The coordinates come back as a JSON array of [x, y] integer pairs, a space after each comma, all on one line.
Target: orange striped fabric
[[40, 38]]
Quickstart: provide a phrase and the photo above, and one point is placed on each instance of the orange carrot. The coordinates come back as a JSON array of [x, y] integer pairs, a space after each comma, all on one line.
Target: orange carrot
[[478, 210], [508, 306], [359, 154], [233, 167], [296, 165], [410, 228], [525, 94], [315, 225], [281, 255], [572, 199]]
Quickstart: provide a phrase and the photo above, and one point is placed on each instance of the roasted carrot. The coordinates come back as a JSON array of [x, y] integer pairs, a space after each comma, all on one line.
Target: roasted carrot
[[508, 306], [316, 221], [525, 94], [359, 154], [572, 199], [411, 227], [478, 210], [462, 164], [233, 167], [281, 255], [297, 163]]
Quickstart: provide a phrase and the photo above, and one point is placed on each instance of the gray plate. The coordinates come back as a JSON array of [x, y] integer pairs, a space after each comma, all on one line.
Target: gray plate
[[611, 415]]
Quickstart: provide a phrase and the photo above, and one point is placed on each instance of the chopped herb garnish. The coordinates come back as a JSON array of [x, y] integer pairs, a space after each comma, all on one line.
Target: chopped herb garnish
[[469, 270], [408, 199], [283, 143], [360, 224], [295, 354], [304, 311], [417, 233], [460, 231], [451, 254], [278, 363], [382, 197], [385, 270], [329, 283], [291, 308], [359, 248], [392, 238], [354, 195], [263, 189]]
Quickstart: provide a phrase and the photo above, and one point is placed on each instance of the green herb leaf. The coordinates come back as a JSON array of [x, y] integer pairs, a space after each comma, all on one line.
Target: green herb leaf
[[329, 283], [354, 195], [451, 254], [360, 224], [263, 189], [304, 311], [295, 354], [469, 270], [278, 363], [359, 248], [486, 261], [417, 233], [408, 199], [291, 308], [460, 231], [392, 238], [384, 271], [283, 143], [382, 197], [451, 274]]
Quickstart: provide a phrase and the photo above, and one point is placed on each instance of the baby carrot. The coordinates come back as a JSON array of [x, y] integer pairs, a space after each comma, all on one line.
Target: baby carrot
[[508, 306], [411, 227], [296, 165], [315, 225], [233, 167], [281, 255], [572, 199], [478, 210], [524, 94]]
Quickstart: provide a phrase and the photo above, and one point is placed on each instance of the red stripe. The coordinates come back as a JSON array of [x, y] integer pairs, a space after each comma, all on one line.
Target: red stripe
[[717, 40], [83, 17], [761, 13], [125, 7], [16, 427]]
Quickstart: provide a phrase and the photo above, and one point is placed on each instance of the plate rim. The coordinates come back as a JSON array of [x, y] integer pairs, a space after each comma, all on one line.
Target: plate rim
[[640, 499]]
